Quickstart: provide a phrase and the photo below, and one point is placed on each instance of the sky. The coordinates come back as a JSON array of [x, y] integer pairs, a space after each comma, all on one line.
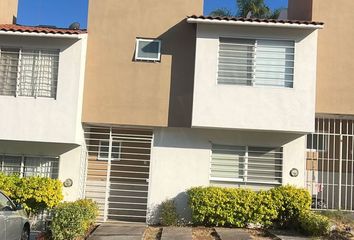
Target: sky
[[62, 13]]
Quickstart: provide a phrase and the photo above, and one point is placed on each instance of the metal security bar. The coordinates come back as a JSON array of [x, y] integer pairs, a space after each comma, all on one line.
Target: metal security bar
[[329, 163], [29, 72], [245, 165], [256, 62], [118, 162], [27, 166]]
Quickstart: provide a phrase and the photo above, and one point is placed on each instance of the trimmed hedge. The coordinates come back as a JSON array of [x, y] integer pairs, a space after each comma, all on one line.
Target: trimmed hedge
[[72, 220], [290, 202], [35, 194], [237, 207]]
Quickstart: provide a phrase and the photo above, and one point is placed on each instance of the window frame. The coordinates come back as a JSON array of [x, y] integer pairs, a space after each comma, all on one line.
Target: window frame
[[244, 178], [23, 166], [320, 146], [100, 158], [253, 81], [21, 51], [150, 40]]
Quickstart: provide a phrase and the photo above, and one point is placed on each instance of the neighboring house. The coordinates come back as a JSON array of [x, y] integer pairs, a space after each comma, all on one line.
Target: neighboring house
[[330, 158], [41, 88]]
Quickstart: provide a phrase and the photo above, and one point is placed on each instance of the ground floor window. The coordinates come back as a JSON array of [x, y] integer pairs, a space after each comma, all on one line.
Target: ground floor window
[[246, 165], [27, 166]]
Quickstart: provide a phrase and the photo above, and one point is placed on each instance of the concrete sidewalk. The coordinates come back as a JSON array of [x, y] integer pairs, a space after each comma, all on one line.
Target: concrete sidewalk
[[118, 232]]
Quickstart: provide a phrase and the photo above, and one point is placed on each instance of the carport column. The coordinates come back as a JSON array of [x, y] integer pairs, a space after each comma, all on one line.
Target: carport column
[[105, 217]]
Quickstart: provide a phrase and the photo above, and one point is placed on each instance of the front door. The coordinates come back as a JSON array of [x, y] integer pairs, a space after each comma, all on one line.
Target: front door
[[118, 164]]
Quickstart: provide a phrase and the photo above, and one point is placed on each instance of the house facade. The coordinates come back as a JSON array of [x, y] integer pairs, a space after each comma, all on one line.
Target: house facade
[[150, 103], [172, 102]]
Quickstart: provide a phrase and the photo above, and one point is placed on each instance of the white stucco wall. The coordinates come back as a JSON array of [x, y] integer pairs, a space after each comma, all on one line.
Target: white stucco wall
[[256, 108], [181, 159], [45, 119]]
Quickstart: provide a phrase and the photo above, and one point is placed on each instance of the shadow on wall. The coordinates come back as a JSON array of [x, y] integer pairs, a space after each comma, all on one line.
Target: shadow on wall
[[182, 208], [179, 42]]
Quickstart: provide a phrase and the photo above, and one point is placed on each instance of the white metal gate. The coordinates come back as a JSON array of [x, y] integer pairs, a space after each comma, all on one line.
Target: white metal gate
[[330, 165], [118, 162]]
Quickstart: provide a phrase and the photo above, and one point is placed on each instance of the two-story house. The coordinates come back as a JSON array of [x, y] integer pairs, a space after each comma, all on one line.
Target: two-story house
[[172, 102], [41, 93], [163, 102]]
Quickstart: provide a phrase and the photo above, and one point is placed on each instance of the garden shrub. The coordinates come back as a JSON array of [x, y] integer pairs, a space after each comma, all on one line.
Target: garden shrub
[[314, 224], [169, 216], [238, 207], [221, 206], [35, 194], [264, 209], [290, 202], [72, 220]]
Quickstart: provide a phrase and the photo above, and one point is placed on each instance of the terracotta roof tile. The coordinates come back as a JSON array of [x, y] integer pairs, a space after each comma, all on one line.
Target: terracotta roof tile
[[39, 29], [242, 19]]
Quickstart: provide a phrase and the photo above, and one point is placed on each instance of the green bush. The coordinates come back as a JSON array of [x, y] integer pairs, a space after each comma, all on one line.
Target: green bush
[[214, 206], [169, 216], [35, 194], [72, 220], [290, 202], [314, 224], [237, 207]]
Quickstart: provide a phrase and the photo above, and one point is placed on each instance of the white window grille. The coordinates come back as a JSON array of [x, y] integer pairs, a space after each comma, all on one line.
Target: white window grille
[[250, 62], [246, 165], [28, 72], [27, 166], [148, 50]]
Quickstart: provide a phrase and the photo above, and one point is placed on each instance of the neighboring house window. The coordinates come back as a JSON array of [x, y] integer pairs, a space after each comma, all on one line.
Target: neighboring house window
[[28, 72], [148, 50], [318, 142], [246, 165], [250, 62], [103, 150], [27, 166]]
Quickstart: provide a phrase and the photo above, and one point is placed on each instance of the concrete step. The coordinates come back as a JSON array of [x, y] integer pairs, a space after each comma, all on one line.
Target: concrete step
[[176, 233], [233, 234]]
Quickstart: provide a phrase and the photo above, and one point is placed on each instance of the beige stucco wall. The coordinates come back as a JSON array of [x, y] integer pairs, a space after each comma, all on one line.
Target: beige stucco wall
[[335, 85], [119, 90], [335, 76], [8, 11]]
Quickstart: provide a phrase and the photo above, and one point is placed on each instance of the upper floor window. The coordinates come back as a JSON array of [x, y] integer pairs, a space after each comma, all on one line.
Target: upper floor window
[[253, 62], [28, 72], [148, 50]]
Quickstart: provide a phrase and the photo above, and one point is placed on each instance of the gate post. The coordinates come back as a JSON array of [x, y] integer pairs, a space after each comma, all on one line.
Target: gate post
[[106, 203]]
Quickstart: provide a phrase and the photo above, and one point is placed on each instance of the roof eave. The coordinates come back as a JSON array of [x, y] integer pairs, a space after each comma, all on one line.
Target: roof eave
[[255, 24], [49, 35]]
